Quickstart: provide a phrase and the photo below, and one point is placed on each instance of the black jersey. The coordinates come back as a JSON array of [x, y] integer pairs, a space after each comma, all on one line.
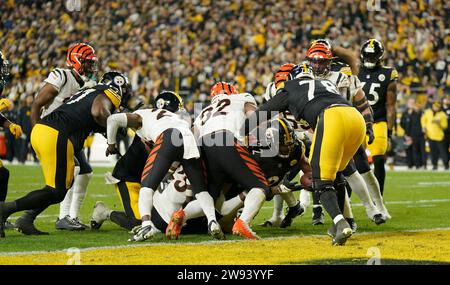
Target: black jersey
[[275, 168], [130, 166], [375, 85], [305, 99], [74, 118]]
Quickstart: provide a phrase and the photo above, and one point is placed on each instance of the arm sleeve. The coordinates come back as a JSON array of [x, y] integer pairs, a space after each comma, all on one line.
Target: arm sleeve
[[266, 111], [113, 123], [57, 78]]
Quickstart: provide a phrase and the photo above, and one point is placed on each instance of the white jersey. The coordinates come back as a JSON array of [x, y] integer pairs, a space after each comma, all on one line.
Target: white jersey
[[156, 121], [348, 85], [226, 112], [174, 194], [65, 83]]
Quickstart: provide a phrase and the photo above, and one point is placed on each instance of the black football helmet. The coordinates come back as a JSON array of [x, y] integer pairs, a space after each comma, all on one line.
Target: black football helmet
[[372, 52], [168, 100], [281, 133], [4, 71], [120, 83]]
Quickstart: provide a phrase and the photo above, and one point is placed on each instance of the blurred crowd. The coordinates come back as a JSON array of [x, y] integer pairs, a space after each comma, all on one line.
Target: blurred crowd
[[188, 45]]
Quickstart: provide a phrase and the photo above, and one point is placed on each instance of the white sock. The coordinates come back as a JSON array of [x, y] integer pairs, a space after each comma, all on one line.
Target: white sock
[[305, 198], [277, 207], [145, 201], [79, 193], [348, 213], [231, 205], [253, 202], [337, 219], [359, 187], [289, 198], [374, 189], [64, 206], [193, 210], [207, 204]]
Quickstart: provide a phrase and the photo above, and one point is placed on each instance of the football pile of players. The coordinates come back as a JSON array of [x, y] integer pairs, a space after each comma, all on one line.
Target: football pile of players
[[307, 145]]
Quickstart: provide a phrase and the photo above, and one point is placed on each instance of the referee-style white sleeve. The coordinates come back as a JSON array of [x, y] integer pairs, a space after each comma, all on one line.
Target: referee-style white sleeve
[[113, 123]]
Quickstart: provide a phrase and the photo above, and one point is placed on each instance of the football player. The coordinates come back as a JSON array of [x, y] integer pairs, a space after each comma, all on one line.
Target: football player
[[58, 136], [59, 86], [15, 129], [380, 86], [226, 158], [339, 130], [320, 56], [173, 142]]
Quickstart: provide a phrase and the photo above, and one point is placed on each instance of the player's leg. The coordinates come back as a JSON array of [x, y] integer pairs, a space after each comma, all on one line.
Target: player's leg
[[363, 167], [277, 213], [80, 184], [55, 152], [378, 149], [4, 178], [158, 163]]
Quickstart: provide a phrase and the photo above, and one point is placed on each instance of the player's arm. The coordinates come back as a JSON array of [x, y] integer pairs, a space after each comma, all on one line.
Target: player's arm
[[116, 121], [362, 105], [45, 96], [348, 56], [15, 129], [390, 106], [266, 111]]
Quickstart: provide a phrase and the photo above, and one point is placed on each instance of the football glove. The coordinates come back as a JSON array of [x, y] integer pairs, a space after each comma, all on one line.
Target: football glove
[[143, 233], [5, 104], [16, 130]]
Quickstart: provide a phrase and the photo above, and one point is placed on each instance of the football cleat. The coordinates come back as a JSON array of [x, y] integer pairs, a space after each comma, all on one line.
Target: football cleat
[[215, 231], [67, 223], [332, 231], [27, 228], [352, 224], [343, 232], [378, 219], [318, 216], [99, 215], [173, 230], [78, 221], [9, 226], [272, 222], [293, 212], [242, 229], [144, 233]]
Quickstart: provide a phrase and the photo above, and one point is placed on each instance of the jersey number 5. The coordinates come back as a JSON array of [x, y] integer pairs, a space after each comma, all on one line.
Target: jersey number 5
[[373, 96]]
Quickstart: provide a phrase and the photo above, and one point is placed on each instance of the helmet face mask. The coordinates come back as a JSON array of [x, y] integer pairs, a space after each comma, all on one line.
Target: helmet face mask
[[372, 52], [320, 66], [89, 68]]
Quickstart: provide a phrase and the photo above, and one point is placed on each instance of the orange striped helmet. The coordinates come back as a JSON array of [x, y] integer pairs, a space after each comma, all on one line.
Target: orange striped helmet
[[319, 56], [284, 73], [223, 88], [81, 57]]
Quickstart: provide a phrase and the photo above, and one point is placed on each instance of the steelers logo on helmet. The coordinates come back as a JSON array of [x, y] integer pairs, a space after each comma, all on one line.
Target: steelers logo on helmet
[[169, 100], [119, 80]]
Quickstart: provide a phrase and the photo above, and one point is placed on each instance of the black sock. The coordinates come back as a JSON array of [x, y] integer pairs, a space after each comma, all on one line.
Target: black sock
[[37, 199], [329, 201], [4, 177], [30, 215], [121, 219], [316, 200], [340, 193], [380, 172]]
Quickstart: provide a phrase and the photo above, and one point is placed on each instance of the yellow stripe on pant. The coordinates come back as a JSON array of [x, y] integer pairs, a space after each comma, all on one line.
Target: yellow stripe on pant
[[56, 154], [129, 196], [339, 132], [380, 143]]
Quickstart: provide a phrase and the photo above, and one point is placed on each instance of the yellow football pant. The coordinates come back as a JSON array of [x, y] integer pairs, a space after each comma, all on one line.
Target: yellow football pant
[[380, 143], [339, 132], [129, 196], [56, 154]]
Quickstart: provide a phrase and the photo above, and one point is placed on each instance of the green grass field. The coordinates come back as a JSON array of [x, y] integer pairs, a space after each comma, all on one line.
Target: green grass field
[[416, 200]]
